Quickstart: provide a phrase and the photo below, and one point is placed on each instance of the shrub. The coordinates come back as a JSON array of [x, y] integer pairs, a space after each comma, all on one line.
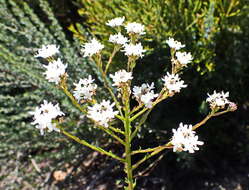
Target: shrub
[[195, 23], [23, 30]]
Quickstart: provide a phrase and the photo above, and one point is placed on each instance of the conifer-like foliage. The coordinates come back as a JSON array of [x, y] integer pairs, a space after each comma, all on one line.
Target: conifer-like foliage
[[26, 27]]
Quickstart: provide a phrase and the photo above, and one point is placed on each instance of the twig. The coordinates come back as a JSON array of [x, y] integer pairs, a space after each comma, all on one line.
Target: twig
[[35, 165], [83, 142]]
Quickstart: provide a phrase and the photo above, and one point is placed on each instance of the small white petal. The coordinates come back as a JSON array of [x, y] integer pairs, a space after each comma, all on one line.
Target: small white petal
[[145, 94], [174, 44], [120, 77], [173, 83], [218, 100], [47, 51], [184, 58], [54, 71], [92, 48], [118, 39], [44, 115], [134, 50], [102, 113], [116, 21], [134, 27], [85, 89], [184, 139]]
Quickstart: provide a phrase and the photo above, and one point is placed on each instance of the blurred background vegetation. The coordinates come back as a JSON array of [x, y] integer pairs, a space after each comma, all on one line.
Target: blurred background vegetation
[[216, 32]]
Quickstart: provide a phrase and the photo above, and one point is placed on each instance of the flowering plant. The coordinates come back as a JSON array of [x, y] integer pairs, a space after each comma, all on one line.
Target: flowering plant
[[103, 112]]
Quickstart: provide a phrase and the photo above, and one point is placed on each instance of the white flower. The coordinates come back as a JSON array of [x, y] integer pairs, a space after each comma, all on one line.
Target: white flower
[[145, 94], [134, 27], [184, 139], [218, 100], [85, 89], [54, 71], [174, 44], [173, 83], [47, 51], [120, 77], [118, 39], [92, 48], [184, 58], [134, 50], [116, 21], [102, 113], [44, 115]]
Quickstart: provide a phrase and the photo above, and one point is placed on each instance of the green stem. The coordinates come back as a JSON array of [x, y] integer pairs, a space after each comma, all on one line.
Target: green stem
[[115, 50], [168, 145], [128, 166], [141, 122], [83, 142], [117, 130], [212, 114], [109, 89], [108, 131], [146, 157]]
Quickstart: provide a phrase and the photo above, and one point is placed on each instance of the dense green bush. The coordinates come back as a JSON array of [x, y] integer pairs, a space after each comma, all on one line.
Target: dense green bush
[[25, 27], [193, 22]]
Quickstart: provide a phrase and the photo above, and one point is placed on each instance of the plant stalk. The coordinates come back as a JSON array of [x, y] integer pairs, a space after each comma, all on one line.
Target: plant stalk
[[128, 166]]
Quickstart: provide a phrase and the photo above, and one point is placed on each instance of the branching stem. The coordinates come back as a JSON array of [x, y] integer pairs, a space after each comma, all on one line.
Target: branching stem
[[93, 147]]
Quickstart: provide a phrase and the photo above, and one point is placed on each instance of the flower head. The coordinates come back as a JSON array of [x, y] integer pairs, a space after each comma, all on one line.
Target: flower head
[[134, 27], [85, 89], [92, 48], [184, 139], [184, 58], [118, 39], [47, 51], [134, 50], [174, 44], [121, 77], [54, 71], [44, 115], [218, 100], [173, 83], [102, 113], [116, 21], [145, 94]]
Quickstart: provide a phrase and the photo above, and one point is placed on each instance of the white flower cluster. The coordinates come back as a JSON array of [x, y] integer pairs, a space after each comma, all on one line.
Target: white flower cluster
[[173, 83], [44, 115], [183, 57], [174, 44], [145, 94], [184, 139], [102, 113], [85, 89], [47, 51], [118, 39], [218, 100], [91, 48], [55, 68], [134, 50], [116, 21], [135, 28], [121, 77], [131, 28]]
